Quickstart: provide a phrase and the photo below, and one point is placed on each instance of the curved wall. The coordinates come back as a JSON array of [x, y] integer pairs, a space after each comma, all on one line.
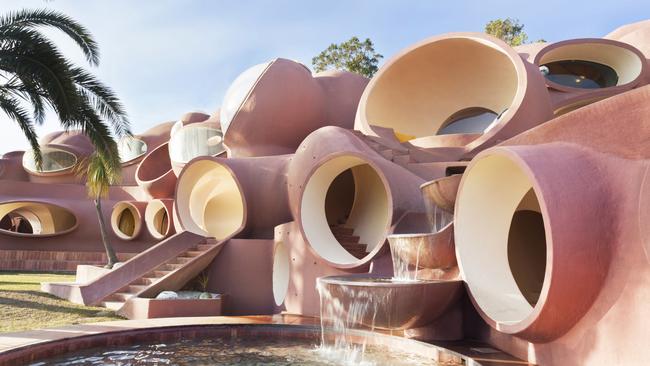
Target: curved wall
[[628, 62], [525, 234], [270, 108], [417, 91], [381, 193], [221, 197], [42, 219], [154, 174]]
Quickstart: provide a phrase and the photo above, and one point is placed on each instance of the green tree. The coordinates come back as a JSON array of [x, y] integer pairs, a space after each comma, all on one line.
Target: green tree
[[100, 174], [35, 77], [509, 30], [352, 55]]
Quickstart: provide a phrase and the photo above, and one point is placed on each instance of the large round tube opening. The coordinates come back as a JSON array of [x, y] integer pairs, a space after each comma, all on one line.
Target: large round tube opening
[[451, 85], [126, 221], [35, 219], [209, 200], [345, 210], [590, 64], [281, 272], [501, 238]]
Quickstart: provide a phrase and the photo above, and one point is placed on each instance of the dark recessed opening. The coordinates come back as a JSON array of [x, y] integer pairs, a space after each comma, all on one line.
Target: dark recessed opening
[[16, 223], [340, 198], [527, 251], [126, 222], [161, 222], [452, 170], [580, 74]]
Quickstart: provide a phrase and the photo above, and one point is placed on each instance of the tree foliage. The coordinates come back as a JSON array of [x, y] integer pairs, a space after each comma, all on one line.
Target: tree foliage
[[35, 76], [351, 55], [509, 30]]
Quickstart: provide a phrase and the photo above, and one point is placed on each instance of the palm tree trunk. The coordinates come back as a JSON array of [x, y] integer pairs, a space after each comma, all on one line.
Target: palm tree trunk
[[110, 253]]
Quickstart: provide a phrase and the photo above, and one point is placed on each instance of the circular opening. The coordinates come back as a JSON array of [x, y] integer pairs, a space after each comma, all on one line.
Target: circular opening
[[154, 165], [33, 218], [345, 210], [192, 141], [157, 219], [54, 160], [425, 88], [209, 201], [126, 221], [281, 268], [500, 238], [590, 65], [131, 148]]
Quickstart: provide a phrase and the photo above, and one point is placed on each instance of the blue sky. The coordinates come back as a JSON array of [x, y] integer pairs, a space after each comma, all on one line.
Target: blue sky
[[165, 57]]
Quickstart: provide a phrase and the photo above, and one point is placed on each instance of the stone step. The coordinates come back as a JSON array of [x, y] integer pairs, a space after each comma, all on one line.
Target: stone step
[[341, 230], [182, 260], [342, 238]]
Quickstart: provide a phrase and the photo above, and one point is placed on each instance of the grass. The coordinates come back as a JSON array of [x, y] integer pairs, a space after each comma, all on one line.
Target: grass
[[23, 306]]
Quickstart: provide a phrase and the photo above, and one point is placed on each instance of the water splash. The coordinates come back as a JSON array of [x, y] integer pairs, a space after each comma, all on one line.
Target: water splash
[[403, 270]]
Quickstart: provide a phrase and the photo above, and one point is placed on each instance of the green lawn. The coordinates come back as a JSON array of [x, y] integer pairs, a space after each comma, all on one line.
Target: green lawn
[[23, 306]]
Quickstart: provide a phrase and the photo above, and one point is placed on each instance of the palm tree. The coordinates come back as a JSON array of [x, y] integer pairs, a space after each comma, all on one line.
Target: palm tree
[[37, 75], [100, 175]]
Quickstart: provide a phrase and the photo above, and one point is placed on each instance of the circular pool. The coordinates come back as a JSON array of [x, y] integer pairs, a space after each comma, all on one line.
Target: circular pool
[[226, 345]]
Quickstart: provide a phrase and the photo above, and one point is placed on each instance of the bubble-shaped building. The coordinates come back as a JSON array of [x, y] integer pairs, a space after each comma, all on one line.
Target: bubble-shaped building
[[508, 185]]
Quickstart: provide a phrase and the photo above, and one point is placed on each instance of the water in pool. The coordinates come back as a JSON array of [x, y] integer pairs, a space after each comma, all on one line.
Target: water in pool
[[220, 351]]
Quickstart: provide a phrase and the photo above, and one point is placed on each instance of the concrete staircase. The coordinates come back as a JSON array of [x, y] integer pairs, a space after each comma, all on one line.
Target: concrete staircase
[[427, 164], [345, 236], [168, 265], [166, 277]]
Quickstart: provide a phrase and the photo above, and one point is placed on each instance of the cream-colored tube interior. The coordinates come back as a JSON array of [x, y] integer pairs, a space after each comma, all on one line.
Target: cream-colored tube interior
[[418, 93], [126, 221], [368, 216], [209, 200], [281, 268], [500, 238], [158, 219], [626, 63], [35, 218]]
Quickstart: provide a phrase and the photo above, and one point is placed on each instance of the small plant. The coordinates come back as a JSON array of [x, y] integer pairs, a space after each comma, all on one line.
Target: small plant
[[202, 280]]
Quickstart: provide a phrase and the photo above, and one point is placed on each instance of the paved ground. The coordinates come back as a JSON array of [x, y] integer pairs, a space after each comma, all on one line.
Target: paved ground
[[23, 306]]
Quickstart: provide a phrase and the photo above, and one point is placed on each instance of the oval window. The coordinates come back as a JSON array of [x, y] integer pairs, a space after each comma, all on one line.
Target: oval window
[[468, 120], [580, 74], [193, 141], [35, 218], [54, 160], [131, 148]]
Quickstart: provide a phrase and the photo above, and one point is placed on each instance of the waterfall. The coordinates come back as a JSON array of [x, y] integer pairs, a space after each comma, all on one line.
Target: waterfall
[[342, 313]]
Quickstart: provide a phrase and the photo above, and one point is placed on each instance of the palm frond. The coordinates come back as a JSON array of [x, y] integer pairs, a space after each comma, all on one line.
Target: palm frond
[[49, 18], [104, 100], [13, 109]]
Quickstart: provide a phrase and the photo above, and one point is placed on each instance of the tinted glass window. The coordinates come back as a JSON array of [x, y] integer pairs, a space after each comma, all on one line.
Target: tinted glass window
[[131, 148], [190, 142], [580, 74], [54, 160], [468, 120]]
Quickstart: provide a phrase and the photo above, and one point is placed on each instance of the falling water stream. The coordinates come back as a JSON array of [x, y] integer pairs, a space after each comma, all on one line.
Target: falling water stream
[[353, 308]]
